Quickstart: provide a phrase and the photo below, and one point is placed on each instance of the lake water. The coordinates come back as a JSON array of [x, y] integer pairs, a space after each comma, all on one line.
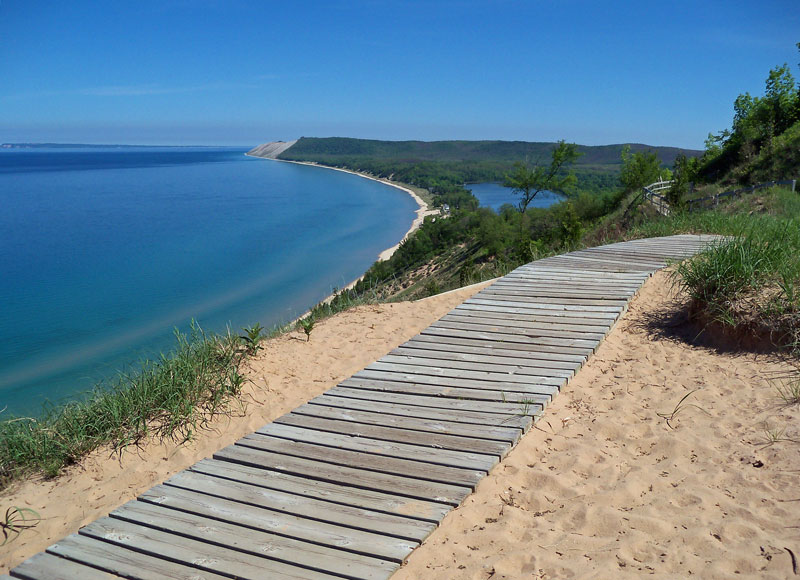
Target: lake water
[[494, 195], [104, 252]]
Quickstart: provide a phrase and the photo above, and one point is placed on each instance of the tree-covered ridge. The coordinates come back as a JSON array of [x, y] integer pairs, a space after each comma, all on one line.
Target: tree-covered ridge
[[311, 148], [443, 167]]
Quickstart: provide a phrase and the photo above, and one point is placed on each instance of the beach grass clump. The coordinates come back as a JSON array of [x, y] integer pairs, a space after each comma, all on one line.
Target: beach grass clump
[[750, 281], [169, 399]]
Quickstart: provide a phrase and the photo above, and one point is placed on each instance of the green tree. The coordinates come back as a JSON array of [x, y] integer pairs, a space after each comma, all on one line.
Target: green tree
[[528, 181], [684, 172], [638, 169]]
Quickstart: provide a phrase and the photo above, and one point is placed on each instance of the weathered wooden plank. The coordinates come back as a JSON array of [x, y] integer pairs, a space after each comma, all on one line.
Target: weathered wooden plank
[[472, 363], [464, 386], [554, 314], [591, 265], [533, 277], [533, 315], [382, 447], [435, 409], [418, 469], [367, 479], [540, 268], [564, 344], [540, 395], [524, 284], [556, 292], [124, 562], [424, 512], [501, 407], [201, 554], [491, 348], [378, 424], [513, 322], [534, 273], [258, 514], [435, 374], [641, 254], [585, 264], [45, 566], [326, 426], [545, 303], [549, 282], [516, 296], [626, 259], [256, 542], [359, 523], [420, 353]]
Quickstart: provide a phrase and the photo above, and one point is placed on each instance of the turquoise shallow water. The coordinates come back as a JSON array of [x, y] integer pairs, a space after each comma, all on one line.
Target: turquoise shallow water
[[103, 252]]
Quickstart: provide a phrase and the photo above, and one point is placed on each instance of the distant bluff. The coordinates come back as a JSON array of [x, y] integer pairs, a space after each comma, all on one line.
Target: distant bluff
[[271, 150]]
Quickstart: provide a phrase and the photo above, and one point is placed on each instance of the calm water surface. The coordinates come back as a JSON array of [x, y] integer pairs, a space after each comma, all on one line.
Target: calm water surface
[[494, 195], [104, 252]]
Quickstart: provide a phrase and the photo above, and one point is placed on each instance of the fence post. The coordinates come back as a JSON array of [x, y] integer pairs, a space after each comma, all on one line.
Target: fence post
[[794, 183]]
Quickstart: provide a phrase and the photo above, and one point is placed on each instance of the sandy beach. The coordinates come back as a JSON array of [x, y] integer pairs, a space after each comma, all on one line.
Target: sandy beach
[[601, 487], [423, 210]]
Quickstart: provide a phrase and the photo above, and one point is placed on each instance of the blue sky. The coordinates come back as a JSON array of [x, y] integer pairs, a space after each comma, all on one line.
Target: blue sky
[[234, 72]]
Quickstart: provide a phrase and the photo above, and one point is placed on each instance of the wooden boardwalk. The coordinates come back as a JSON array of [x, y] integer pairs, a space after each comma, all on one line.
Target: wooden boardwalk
[[347, 485]]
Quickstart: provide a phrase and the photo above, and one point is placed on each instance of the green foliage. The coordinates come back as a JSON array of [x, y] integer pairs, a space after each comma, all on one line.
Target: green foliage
[[528, 181], [684, 172], [755, 137], [307, 325], [253, 338], [432, 286], [16, 521], [638, 169], [443, 167], [170, 398], [571, 227]]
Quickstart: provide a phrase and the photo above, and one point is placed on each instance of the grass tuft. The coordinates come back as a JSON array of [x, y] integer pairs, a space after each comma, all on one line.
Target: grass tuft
[[169, 399], [750, 282]]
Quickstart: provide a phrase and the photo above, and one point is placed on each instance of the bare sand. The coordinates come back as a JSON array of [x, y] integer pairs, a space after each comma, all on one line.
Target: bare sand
[[287, 373], [602, 487]]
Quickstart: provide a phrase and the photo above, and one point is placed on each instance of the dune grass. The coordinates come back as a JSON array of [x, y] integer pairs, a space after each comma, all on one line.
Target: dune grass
[[750, 282], [169, 398]]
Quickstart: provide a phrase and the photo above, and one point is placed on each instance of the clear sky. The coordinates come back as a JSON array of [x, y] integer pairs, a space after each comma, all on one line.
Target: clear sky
[[233, 72]]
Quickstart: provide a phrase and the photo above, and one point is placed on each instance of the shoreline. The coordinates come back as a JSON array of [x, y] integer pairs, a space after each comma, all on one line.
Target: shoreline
[[422, 211], [288, 372]]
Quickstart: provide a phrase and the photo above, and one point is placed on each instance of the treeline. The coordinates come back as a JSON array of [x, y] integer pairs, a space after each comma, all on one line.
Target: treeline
[[443, 167], [763, 142], [311, 148]]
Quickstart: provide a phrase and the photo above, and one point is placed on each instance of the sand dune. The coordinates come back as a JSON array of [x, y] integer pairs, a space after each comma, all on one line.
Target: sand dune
[[602, 487], [287, 373]]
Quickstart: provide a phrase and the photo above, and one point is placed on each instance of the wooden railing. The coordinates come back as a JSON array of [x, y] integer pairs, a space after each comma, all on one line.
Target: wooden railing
[[713, 200], [652, 195]]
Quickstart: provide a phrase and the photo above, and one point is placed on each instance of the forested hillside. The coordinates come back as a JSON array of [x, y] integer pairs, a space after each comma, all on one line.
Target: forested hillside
[[443, 167]]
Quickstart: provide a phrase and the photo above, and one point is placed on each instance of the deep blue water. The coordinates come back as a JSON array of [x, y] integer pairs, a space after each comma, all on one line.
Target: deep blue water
[[104, 252], [494, 195]]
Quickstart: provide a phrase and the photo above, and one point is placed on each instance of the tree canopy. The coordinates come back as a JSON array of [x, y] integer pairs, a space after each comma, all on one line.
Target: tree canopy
[[528, 181]]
